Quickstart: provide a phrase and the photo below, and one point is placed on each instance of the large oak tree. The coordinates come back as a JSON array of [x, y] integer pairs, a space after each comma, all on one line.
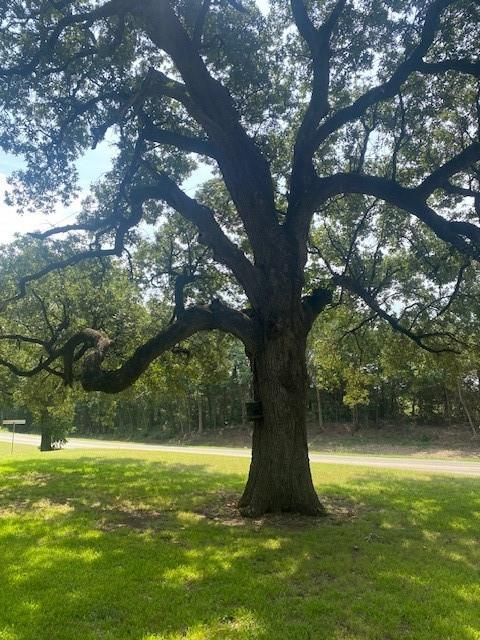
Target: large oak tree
[[366, 101]]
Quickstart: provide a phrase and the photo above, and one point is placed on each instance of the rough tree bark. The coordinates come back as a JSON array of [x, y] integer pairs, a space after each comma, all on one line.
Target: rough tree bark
[[279, 478]]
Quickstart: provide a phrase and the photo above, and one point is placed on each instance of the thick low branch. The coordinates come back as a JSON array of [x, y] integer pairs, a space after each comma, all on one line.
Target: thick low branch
[[191, 321], [86, 339]]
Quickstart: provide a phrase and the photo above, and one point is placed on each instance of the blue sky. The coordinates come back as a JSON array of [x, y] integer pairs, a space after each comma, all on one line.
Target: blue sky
[[90, 167]]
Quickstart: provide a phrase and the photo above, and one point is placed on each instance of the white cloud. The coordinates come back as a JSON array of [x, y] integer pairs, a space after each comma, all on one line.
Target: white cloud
[[264, 6]]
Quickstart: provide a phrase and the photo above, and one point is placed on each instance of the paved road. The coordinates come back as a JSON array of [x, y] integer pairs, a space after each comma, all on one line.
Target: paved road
[[456, 467]]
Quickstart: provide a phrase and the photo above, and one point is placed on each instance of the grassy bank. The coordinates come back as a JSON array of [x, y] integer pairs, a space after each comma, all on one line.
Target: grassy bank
[[148, 546]]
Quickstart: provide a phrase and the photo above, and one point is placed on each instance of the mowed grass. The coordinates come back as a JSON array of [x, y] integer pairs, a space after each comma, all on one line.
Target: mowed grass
[[147, 546]]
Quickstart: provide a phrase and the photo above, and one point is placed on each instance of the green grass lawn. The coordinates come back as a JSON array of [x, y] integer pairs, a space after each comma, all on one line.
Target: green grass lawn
[[147, 546]]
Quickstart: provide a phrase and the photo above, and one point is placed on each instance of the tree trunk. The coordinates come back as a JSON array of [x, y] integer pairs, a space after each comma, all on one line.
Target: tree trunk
[[46, 440], [447, 412], [279, 478], [355, 419]]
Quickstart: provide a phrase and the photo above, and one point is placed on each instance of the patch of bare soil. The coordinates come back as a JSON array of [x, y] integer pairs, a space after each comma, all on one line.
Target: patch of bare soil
[[125, 516], [222, 509]]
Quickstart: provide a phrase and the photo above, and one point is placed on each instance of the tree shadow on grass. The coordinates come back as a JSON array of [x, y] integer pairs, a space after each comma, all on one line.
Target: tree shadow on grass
[[98, 548]]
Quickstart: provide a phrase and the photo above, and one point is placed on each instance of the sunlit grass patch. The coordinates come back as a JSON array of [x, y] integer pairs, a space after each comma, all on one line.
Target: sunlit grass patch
[[149, 546]]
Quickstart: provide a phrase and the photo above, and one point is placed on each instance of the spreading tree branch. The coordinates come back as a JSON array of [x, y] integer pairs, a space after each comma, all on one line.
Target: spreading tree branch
[[356, 288], [438, 179], [190, 321], [464, 236], [210, 233], [244, 168], [390, 87], [318, 41], [461, 65]]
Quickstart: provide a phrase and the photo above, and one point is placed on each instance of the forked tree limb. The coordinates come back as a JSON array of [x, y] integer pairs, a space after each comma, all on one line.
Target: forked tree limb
[[211, 234], [91, 346], [245, 170], [439, 178], [390, 87], [304, 183]]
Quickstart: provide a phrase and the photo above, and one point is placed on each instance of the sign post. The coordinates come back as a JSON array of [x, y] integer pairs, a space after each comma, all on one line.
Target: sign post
[[14, 424]]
